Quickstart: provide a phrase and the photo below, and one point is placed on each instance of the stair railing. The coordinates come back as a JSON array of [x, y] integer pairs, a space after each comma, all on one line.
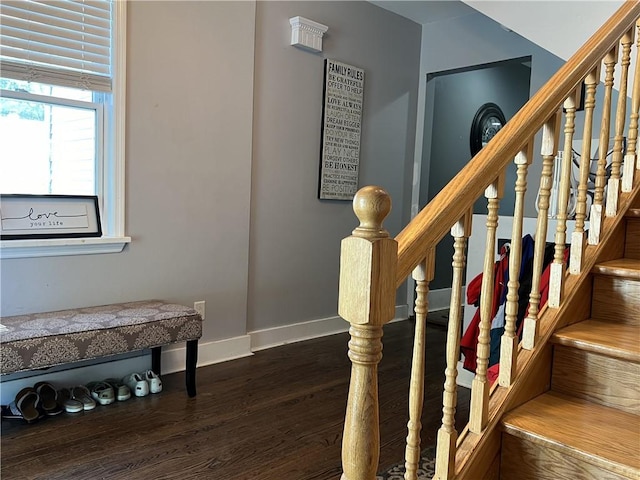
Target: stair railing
[[373, 265]]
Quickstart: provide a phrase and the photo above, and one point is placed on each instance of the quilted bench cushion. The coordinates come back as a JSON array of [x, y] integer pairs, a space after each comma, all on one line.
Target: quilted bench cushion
[[41, 340]]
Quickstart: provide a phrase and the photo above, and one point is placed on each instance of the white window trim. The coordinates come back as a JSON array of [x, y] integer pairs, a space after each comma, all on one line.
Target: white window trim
[[112, 176], [55, 247]]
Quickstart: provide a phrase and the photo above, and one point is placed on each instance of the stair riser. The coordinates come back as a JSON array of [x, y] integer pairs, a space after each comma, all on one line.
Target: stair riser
[[632, 245], [524, 460], [616, 299], [608, 381]]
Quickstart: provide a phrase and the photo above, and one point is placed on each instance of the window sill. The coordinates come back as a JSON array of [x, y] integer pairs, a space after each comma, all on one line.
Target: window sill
[[56, 247]]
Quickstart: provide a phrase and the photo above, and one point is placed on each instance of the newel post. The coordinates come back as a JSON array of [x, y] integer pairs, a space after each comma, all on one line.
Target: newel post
[[368, 261]]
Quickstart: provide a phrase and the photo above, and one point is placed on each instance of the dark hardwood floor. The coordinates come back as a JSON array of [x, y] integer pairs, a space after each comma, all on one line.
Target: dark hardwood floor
[[275, 415]]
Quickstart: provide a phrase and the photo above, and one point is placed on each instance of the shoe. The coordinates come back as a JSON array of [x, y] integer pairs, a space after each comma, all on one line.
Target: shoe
[[70, 405], [82, 394], [155, 384], [121, 391], [137, 384], [25, 406], [101, 392], [48, 398]]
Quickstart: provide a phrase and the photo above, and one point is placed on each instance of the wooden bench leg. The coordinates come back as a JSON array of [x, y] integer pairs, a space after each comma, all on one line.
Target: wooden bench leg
[[156, 360], [190, 372]]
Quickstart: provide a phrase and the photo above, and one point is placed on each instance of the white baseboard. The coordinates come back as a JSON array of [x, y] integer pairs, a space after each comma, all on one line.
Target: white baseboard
[[297, 332], [465, 377], [439, 299], [402, 313], [173, 360]]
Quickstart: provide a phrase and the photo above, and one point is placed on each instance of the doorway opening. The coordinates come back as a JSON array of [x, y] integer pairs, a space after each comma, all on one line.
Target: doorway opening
[[453, 100]]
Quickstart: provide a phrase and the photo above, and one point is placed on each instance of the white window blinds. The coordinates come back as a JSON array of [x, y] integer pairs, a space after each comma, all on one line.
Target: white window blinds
[[61, 42]]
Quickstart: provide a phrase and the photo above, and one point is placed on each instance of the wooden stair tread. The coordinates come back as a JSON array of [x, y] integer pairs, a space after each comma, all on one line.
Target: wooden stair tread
[[599, 435], [621, 267], [615, 340], [633, 212]]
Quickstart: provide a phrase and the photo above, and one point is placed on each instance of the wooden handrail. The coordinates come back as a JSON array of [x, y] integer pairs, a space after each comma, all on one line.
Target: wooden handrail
[[435, 220]]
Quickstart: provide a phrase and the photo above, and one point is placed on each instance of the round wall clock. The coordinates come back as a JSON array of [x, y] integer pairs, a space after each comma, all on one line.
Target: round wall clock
[[488, 120]]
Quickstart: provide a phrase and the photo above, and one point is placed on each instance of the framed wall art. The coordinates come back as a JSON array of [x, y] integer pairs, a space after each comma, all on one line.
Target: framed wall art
[[49, 216], [341, 127]]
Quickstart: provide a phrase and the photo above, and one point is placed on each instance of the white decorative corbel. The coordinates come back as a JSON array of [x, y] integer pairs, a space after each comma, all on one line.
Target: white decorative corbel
[[307, 34]]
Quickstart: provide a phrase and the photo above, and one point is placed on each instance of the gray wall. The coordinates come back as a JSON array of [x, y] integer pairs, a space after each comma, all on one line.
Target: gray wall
[[222, 178], [295, 238], [188, 174]]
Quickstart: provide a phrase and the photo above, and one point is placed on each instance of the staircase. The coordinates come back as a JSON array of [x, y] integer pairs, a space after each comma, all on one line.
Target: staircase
[[566, 403], [587, 425]]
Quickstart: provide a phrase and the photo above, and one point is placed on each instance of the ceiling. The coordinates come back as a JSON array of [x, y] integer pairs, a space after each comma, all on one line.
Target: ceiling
[[425, 11], [543, 22]]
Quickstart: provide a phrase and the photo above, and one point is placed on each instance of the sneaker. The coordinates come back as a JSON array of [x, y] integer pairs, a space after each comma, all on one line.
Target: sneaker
[[137, 384], [122, 391], [101, 392], [155, 384]]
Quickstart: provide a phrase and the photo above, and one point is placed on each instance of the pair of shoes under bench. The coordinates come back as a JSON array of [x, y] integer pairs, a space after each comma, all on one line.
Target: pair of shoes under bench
[[76, 399], [122, 392], [141, 384]]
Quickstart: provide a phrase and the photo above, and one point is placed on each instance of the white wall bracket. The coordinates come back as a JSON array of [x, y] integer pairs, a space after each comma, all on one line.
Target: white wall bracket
[[307, 34]]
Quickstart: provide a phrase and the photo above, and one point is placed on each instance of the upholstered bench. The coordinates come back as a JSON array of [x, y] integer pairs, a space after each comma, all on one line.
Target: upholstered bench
[[41, 340]]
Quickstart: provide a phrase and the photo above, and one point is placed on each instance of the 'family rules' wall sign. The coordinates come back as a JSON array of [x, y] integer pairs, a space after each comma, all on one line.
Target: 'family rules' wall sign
[[341, 126]]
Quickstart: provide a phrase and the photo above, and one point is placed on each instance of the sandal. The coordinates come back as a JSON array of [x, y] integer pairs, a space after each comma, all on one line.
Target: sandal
[[25, 406], [82, 394], [71, 405], [7, 414], [102, 392], [48, 398]]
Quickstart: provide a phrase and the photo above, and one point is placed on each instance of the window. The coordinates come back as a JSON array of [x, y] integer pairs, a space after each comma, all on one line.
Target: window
[[62, 111], [48, 140]]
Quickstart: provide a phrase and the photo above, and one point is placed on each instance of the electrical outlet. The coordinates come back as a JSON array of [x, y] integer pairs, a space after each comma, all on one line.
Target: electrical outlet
[[199, 307]]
